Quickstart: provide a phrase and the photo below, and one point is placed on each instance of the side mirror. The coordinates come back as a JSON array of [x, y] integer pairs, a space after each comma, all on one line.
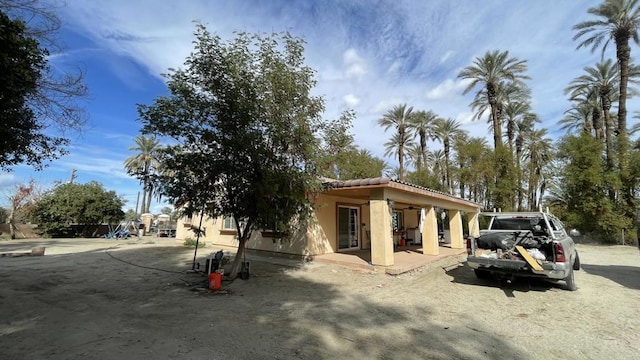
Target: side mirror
[[574, 232]]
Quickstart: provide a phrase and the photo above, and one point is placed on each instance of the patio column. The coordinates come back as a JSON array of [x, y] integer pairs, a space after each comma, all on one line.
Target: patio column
[[455, 229], [381, 231], [430, 232], [474, 225]]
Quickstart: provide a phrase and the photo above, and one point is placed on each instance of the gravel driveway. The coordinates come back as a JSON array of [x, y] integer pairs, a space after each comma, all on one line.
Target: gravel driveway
[[131, 300]]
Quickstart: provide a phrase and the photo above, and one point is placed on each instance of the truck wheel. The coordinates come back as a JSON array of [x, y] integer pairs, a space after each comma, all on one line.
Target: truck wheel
[[482, 274], [571, 281], [576, 262]]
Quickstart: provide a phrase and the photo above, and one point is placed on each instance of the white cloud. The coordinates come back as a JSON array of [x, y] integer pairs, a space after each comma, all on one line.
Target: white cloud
[[354, 65], [378, 58], [351, 100], [447, 55], [446, 89]]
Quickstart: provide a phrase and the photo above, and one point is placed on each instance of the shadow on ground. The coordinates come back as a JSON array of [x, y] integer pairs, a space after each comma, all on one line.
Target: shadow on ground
[[143, 305], [465, 275], [627, 276]]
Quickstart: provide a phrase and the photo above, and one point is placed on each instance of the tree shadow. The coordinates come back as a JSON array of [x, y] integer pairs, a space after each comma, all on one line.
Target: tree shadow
[[627, 276], [465, 275], [144, 305]]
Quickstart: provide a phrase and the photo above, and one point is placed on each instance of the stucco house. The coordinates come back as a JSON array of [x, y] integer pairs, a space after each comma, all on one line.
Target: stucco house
[[375, 214]]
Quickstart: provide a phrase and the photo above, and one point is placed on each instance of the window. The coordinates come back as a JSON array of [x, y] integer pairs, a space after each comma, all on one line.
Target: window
[[187, 219], [397, 221], [229, 223]]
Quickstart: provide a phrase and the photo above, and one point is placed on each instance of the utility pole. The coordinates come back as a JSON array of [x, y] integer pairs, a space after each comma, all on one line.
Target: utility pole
[[73, 176]]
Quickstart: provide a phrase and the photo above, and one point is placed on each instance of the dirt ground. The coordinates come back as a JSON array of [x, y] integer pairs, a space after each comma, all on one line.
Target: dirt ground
[[114, 299]]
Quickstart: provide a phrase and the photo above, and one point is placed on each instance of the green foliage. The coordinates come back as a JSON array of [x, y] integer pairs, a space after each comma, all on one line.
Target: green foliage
[[584, 184], [22, 62], [244, 123], [424, 179], [71, 203], [130, 215], [191, 243], [4, 215]]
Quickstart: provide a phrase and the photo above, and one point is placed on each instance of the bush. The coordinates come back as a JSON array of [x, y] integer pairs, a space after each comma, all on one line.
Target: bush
[[190, 242]]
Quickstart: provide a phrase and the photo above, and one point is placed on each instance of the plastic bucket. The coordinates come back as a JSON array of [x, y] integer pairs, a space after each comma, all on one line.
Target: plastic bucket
[[215, 281]]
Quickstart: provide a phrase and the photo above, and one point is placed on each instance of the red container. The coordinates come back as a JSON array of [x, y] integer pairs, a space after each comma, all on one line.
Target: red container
[[215, 281]]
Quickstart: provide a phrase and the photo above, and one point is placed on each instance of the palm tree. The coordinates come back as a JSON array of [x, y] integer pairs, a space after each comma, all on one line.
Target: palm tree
[[422, 123], [514, 111], [143, 164], [524, 126], [490, 71], [439, 167], [398, 118], [396, 145], [538, 152], [599, 83], [445, 131], [578, 117], [618, 20]]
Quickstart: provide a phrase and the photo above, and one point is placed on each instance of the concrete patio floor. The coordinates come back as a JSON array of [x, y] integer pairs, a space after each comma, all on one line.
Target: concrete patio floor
[[405, 258]]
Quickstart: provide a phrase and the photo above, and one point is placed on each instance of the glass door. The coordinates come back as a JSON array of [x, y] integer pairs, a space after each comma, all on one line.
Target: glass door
[[348, 228]]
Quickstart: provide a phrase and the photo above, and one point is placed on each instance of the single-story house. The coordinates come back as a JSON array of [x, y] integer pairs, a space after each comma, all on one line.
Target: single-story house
[[373, 214]]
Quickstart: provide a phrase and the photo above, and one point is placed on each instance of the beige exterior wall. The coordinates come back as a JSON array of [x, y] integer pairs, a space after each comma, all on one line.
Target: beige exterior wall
[[320, 236]]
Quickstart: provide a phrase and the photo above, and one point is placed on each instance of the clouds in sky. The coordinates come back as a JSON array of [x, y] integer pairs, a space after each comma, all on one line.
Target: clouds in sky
[[369, 55]]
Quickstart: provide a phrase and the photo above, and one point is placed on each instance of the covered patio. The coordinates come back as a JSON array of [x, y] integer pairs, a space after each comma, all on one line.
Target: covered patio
[[399, 223], [406, 258]]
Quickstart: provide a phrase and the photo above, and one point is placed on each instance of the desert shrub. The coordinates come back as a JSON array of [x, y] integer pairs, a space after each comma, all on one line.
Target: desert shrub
[[191, 242]]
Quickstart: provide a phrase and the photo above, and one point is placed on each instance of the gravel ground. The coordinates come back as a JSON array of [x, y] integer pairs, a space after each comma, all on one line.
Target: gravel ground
[[107, 299]]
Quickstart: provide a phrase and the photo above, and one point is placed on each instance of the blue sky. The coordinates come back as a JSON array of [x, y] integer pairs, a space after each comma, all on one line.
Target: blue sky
[[369, 56]]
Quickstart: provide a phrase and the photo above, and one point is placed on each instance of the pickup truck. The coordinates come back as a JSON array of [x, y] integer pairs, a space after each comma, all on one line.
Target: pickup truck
[[523, 244]]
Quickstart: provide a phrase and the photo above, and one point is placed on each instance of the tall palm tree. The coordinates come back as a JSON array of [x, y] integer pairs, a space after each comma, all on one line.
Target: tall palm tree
[[439, 167], [445, 131], [418, 158], [513, 112], [143, 164], [600, 82], [490, 71], [396, 146], [538, 152], [578, 117], [618, 20], [398, 118], [422, 123], [524, 126]]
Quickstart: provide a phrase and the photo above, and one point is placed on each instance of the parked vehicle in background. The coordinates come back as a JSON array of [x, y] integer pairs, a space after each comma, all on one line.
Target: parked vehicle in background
[[523, 244]]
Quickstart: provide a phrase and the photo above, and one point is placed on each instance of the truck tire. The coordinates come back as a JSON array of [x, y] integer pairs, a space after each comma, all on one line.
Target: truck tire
[[482, 274], [576, 262], [571, 281]]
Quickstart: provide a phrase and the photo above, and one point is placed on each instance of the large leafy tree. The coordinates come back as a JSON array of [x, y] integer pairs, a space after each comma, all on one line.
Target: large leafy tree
[[398, 118], [22, 61], [245, 128], [85, 204], [617, 20], [35, 98], [489, 72], [144, 165]]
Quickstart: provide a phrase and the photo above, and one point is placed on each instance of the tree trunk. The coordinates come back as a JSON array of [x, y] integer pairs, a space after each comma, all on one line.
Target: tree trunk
[[447, 171], [623, 53], [519, 142], [144, 197], [401, 154], [149, 195], [423, 148], [493, 103], [12, 224]]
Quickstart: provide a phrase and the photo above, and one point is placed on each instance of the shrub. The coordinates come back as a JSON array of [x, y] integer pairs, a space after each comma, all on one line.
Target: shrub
[[190, 242]]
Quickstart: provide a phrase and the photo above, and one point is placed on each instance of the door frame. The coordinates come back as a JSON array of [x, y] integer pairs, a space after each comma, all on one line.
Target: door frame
[[358, 229]]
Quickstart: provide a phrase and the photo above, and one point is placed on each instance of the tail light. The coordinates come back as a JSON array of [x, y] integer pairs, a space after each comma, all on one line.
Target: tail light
[[559, 253]]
